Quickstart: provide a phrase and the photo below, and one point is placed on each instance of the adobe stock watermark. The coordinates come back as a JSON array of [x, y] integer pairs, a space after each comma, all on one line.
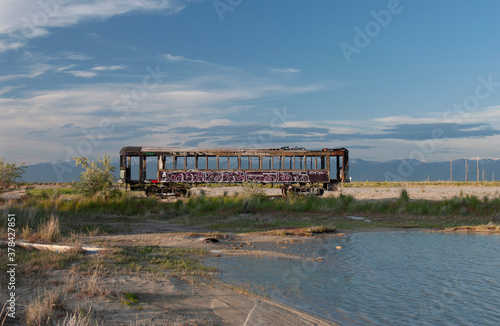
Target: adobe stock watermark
[[484, 90], [126, 101], [364, 36], [223, 6]]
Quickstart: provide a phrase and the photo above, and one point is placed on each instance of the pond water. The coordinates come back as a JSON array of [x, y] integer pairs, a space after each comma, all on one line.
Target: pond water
[[381, 278]]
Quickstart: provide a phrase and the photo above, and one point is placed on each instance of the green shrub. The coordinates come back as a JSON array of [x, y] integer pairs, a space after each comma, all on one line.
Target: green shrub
[[9, 173], [97, 180], [404, 197]]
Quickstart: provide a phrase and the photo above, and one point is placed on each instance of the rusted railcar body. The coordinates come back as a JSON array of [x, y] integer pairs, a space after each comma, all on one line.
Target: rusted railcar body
[[295, 169]]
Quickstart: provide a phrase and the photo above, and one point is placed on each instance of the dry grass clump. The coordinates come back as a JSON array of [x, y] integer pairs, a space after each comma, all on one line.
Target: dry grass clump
[[93, 288], [39, 311], [42, 310], [3, 312], [49, 231], [77, 318]]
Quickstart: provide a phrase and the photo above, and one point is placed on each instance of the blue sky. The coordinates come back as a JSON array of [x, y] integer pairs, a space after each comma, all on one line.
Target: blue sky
[[385, 79]]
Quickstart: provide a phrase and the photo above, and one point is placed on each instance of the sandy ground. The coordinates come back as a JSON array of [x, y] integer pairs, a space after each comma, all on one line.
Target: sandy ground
[[170, 301], [428, 193], [165, 300]]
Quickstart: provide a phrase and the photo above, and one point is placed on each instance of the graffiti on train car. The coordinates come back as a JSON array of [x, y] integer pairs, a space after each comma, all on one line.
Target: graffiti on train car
[[244, 176]]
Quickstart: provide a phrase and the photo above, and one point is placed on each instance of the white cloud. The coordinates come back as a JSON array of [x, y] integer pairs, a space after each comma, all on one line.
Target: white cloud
[[76, 56], [21, 20], [83, 74], [36, 71], [285, 70], [10, 45], [489, 115], [104, 68], [178, 58], [208, 100], [6, 89], [63, 68]]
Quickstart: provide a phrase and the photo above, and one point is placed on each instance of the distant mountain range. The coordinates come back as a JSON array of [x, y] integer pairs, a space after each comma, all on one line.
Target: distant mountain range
[[359, 170], [413, 170]]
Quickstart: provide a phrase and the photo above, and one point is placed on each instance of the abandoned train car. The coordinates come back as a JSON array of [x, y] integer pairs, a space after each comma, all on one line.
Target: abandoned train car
[[172, 171]]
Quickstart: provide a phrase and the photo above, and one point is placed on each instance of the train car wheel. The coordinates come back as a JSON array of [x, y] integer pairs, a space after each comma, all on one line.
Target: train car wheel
[[151, 191]]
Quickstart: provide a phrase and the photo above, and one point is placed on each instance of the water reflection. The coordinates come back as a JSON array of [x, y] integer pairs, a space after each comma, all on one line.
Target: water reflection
[[384, 278]]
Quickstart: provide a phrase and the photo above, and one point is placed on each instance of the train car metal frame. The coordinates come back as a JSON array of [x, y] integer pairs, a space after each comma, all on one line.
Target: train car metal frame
[[177, 169]]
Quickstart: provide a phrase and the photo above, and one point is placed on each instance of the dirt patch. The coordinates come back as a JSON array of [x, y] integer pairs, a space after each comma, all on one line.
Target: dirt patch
[[491, 229], [426, 193]]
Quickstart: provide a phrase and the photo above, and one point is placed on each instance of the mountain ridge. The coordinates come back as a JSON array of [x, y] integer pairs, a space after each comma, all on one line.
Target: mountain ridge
[[359, 170]]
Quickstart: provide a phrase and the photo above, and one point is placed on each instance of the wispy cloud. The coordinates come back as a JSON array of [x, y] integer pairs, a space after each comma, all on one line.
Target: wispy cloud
[[209, 100], [36, 71], [59, 69], [285, 70], [178, 58], [83, 74], [75, 56], [104, 68], [21, 20], [6, 45], [6, 89]]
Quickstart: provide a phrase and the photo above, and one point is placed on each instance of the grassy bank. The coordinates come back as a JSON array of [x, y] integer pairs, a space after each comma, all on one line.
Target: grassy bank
[[254, 211]]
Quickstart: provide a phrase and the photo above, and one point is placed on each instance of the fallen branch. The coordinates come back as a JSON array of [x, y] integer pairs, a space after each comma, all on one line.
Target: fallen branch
[[56, 248]]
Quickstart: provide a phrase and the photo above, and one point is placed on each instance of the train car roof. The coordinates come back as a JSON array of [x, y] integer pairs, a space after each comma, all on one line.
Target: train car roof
[[214, 151]]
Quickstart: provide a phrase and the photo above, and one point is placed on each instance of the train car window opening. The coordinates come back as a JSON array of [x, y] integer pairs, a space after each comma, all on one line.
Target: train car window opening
[[298, 162], [201, 162], [151, 168], [255, 163], [266, 163], [134, 162], [335, 167], [223, 163], [211, 162], [233, 163], [190, 163], [245, 162], [168, 162], [276, 163], [287, 162]]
